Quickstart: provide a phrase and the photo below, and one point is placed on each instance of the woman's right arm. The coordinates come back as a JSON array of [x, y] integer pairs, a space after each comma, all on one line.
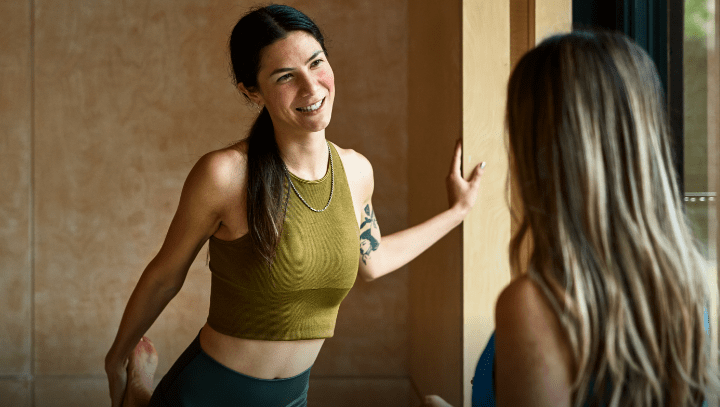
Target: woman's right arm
[[207, 189]]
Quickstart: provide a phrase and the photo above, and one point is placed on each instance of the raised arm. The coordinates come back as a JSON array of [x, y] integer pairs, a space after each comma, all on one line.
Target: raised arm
[[198, 215], [380, 255]]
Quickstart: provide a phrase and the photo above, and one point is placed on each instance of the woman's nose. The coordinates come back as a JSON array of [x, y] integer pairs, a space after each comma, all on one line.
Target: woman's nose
[[309, 84]]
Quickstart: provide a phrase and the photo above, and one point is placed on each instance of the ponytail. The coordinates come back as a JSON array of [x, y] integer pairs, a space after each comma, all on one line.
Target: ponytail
[[267, 191]]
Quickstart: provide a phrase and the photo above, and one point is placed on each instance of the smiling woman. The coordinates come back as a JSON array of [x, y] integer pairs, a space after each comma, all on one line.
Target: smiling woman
[[282, 261]]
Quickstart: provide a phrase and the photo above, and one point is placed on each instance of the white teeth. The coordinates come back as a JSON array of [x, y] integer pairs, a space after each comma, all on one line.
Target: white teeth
[[311, 108]]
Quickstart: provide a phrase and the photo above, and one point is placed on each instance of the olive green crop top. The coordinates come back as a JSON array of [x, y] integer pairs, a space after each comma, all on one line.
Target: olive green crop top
[[315, 266]]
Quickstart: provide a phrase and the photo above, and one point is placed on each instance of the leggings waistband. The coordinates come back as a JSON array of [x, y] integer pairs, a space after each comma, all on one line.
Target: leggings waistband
[[212, 360], [196, 379]]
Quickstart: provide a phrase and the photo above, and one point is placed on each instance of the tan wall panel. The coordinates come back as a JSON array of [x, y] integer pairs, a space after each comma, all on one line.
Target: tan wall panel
[[15, 393], [486, 231], [129, 96], [357, 392], [551, 17], [434, 117], [69, 391], [15, 193]]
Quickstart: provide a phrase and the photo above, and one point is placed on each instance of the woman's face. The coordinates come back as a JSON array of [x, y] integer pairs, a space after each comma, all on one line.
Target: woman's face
[[296, 84]]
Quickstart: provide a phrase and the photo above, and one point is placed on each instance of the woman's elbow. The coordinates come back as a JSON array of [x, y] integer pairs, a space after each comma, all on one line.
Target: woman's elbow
[[366, 275], [163, 283]]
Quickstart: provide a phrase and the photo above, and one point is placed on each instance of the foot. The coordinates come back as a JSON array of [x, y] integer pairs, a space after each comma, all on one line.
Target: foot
[[140, 374]]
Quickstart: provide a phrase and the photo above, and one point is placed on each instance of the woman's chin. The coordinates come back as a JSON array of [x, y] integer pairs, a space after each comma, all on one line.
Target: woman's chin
[[317, 126]]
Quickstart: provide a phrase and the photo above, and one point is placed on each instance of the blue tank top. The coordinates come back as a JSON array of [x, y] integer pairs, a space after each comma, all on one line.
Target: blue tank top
[[483, 384]]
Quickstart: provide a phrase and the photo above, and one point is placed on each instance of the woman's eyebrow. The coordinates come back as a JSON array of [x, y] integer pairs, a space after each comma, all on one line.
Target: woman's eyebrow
[[282, 70]]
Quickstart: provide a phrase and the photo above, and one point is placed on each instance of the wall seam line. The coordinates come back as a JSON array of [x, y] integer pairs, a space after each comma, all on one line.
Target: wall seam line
[[32, 202], [416, 389], [14, 377]]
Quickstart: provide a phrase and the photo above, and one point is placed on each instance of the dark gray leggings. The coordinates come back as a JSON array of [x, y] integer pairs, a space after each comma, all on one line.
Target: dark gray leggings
[[196, 379]]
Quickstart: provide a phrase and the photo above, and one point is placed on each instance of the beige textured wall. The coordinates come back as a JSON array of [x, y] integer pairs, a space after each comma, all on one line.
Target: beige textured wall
[[127, 96], [15, 198]]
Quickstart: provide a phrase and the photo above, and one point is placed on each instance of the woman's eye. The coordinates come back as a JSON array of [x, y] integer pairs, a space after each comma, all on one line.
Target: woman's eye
[[316, 62], [284, 77]]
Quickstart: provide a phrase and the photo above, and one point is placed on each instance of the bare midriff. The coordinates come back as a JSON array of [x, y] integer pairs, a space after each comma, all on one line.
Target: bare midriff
[[259, 358]]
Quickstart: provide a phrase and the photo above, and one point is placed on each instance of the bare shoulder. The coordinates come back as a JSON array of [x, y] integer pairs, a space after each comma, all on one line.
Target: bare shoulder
[[525, 313], [354, 161], [220, 172], [532, 350], [211, 188], [523, 299], [358, 169]]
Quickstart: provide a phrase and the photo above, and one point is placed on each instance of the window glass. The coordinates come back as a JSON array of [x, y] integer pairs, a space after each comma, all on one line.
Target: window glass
[[701, 123]]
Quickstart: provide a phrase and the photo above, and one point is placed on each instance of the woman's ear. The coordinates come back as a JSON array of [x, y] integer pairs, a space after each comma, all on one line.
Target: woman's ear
[[253, 96]]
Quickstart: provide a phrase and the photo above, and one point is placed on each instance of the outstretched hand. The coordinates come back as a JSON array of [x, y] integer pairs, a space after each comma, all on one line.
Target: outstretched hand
[[462, 193]]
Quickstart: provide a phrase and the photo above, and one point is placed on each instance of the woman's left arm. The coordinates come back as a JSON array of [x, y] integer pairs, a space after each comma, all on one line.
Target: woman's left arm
[[380, 255]]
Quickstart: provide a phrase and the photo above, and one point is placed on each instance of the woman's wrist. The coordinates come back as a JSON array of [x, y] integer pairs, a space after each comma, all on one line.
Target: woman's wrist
[[458, 213], [114, 361]]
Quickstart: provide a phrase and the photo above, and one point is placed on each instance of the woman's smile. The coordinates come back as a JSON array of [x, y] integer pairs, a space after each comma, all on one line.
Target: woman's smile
[[314, 108]]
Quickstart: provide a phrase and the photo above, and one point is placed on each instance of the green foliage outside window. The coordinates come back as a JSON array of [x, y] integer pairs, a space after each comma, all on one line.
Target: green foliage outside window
[[697, 18]]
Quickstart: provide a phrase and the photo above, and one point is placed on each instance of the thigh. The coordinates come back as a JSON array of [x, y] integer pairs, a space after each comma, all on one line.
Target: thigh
[[162, 396]]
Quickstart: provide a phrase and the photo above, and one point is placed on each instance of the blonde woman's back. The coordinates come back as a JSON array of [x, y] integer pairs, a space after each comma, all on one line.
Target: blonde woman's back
[[612, 251]]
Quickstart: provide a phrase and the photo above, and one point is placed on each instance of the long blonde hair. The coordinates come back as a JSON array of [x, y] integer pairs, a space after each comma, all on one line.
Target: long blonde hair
[[612, 248]]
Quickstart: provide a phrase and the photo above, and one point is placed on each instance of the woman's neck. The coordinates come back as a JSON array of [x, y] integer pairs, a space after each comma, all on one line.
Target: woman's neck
[[305, 156]]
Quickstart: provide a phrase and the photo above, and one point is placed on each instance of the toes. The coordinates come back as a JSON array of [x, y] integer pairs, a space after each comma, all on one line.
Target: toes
[[145, 346]]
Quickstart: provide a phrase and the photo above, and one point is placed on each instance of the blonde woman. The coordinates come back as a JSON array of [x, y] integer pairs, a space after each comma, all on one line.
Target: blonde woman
[[611, 307]]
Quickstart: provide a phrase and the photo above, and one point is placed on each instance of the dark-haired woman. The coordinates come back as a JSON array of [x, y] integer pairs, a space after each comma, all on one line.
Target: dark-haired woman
[[290, 222], [611, 308]]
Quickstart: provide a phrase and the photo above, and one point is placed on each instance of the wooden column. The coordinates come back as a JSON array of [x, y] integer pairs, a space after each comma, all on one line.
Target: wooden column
[[486, 231], [434, 123], [552, 17], [460, 57]]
